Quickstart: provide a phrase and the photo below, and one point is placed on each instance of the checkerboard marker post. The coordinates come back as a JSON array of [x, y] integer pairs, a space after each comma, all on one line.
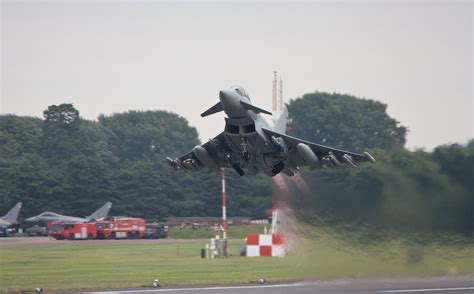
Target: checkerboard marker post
[[266, 245]]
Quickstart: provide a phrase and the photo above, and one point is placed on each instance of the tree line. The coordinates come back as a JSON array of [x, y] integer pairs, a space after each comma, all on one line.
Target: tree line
[[71, 165], [405, 191]]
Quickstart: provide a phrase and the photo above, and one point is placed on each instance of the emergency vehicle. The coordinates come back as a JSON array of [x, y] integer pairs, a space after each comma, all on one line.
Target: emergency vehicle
[[72, 231], [121, 228]]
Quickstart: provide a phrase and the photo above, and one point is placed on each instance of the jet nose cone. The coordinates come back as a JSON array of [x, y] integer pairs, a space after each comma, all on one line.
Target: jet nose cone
[[225, 96], [230, 101], [229, 98]]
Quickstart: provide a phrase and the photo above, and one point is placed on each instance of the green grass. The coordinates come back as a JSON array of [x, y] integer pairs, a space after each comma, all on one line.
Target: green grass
[[234, 232], [81, 265]]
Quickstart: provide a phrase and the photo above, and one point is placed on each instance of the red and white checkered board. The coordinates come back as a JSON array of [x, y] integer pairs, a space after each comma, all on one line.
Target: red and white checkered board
[[265, 245]]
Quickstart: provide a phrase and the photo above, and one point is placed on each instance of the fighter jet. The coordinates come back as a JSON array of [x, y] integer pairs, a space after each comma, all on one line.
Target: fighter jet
[[248, 142], [11, 216], [48, 217]]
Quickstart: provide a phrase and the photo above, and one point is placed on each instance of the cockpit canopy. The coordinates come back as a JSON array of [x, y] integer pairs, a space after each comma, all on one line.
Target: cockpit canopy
[[240, 90], [46, 214]]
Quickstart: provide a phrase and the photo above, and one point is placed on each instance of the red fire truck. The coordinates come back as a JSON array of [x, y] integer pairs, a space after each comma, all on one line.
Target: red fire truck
[[121, 228], [72, 231], [111, 228]]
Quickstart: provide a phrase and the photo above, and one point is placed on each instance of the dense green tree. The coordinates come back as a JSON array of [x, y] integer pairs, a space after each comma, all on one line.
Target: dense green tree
[[134, 134], [70, 165], [345, 122], [18, 135], [60, 138], [61, 117], [147, 186], [86, 180], [404, 191], [457, 162], [28, 178], [408, 191]]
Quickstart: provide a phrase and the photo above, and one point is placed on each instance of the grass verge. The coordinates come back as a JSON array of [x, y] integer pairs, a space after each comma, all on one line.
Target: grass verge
[[234, 232], [115, 265]]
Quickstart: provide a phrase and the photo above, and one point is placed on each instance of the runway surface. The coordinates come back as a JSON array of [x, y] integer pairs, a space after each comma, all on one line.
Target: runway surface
[[443, 285], [15, 242]]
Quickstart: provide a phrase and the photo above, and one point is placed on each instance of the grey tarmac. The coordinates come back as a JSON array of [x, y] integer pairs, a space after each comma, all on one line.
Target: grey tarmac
[[15, 242], [442, 285]]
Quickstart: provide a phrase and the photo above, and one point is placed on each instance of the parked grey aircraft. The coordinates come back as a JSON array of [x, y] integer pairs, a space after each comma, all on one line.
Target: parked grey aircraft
[[248, 142], [48, 217], [11, 216]]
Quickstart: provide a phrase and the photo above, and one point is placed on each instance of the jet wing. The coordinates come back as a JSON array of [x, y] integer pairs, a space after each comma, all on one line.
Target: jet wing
[[211, 154], [326, 156]]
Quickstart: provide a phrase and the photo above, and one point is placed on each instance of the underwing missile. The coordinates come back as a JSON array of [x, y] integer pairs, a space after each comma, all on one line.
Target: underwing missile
[[334, 160], [349, 160], [308, 155]]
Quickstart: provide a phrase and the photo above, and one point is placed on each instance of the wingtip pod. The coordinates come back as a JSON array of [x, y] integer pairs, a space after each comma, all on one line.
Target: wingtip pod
[[369, 157]]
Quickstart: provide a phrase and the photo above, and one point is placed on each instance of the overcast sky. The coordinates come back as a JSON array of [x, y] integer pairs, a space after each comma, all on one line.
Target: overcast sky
[[108, 57]]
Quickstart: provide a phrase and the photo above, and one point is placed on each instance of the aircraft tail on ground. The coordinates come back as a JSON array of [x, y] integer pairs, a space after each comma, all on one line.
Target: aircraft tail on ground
[[280, 124], [101, 212], [12, 215]]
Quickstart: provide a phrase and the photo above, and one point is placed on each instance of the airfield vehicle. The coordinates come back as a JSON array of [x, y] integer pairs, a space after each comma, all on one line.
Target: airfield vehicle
[[37, 231], [111, 228], [7, 232], [72, 231], [155, 231], [120, 228]]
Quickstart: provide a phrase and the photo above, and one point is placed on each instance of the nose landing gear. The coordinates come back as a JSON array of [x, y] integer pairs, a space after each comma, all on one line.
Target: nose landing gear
[[238, 169]]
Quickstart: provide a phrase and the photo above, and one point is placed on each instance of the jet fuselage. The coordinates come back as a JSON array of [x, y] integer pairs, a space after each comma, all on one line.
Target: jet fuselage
[[249, 145], [48, 217], [248, 142]]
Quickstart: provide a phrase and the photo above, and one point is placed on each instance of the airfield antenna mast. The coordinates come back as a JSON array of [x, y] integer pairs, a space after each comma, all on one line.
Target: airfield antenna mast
[[277, 94], [274, 92], [280, 95]]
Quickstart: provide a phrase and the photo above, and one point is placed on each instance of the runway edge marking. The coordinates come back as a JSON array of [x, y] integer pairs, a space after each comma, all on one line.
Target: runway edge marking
[[197, 289], [426, 290]]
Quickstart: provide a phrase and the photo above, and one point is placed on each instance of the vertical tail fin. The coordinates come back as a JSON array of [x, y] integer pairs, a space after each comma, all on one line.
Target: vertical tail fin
[[280, 124], [12, 215], [101, 212]]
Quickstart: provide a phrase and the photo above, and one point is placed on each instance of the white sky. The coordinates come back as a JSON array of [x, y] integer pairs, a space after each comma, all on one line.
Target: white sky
[[108, 57]]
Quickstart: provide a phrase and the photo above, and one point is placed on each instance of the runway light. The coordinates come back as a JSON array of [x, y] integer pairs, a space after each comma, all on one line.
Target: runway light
[[262, 281], [38, 290], [156, 283]]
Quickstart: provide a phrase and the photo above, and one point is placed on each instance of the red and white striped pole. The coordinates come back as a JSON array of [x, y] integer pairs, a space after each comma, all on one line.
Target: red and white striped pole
[[224, 212]]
